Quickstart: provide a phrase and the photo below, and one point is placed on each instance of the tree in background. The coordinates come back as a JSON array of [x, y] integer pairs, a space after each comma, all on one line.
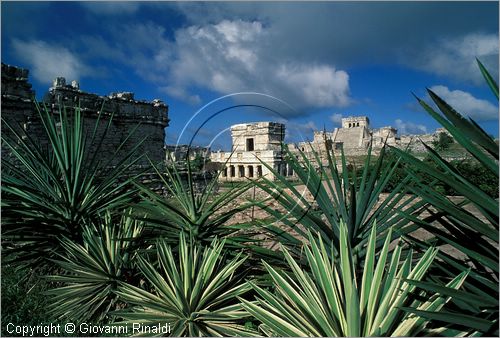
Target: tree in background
[[443, 142]]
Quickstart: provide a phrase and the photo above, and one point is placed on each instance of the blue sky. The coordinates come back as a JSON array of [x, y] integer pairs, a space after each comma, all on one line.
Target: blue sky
[[313, 62]]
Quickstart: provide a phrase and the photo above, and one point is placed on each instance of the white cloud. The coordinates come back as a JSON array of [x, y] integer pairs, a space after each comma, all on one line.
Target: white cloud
[[465, 103], [319, 85], [336, 118], [181, 94], [47, 61], [226, 57], [405, 127], [456, 57], [231, 56]]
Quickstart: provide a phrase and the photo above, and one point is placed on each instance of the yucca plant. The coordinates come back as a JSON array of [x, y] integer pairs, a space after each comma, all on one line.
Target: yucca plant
[[89, 273], [475, 237], [337, 196], [194, 292], [200, 214], [50, 191], [336, 299]]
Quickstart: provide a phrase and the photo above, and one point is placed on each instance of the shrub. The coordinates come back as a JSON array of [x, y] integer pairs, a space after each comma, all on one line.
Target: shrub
[[443, 142], [474, 235], [195, 292], [49, 193], [336, 299], [89, 273], [200, 214]]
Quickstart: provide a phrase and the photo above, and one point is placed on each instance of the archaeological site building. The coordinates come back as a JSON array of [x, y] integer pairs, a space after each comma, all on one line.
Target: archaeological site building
[[355, 136], [252, 144], [256, 143], [150, 118]]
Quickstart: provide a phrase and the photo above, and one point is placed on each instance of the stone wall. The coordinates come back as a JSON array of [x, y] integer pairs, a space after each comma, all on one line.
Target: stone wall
[[179, 153], [251, 144], [414, 142], [263, 136], [147, 118], [384, 135], [355, 121], [17, 98]]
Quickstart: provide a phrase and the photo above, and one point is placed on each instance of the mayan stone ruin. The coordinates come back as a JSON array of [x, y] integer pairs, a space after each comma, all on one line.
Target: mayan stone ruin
[[355, 136], [254, 143], [18, 109], [251, 144]]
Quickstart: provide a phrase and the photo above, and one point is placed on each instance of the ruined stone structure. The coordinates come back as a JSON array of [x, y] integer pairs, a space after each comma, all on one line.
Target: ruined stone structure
[[355, 136], [251, 144], [256, 142], [18, 109], [179, 153], [17, 98]]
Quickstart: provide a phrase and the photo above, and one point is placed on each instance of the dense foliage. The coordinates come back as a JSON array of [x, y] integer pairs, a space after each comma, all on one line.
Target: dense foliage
[[51, 191], [443, 142], [468, 167]]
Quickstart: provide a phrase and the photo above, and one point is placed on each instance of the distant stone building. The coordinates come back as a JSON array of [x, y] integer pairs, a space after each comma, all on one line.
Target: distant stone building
[[354, 134], [179, 153], [18, 109], [254, 143], [355, 137], [251, 144]]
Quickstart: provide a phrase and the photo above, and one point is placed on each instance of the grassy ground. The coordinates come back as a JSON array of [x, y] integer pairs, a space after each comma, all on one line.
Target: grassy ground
[[227, 185], [23, 302]]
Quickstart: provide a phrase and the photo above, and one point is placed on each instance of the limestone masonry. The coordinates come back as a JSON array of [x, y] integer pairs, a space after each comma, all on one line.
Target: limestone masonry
[[18, 109], [253, 143], [355, 137]]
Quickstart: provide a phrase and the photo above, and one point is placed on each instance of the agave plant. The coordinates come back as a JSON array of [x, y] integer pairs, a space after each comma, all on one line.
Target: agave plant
[[194, 294], [474, 235], [90, 272], [48, 192], [201, 215], [337, 196], [335, 299]]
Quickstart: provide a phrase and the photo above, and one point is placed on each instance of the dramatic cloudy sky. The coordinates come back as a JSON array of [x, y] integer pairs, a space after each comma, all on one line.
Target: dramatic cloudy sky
[[312, 63]]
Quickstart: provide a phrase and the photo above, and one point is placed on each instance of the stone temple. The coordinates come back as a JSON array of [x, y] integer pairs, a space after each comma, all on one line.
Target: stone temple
[[19, 111], [254, 143], [354, 137], [251, 144]]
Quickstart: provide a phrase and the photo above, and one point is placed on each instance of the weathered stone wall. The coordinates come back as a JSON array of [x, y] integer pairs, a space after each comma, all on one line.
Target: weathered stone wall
[[245, 160], [355, 121], [265, 136], [414, 142], [179, 153], [384, 135], [147, 118], [17, 97], [17, 103]]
